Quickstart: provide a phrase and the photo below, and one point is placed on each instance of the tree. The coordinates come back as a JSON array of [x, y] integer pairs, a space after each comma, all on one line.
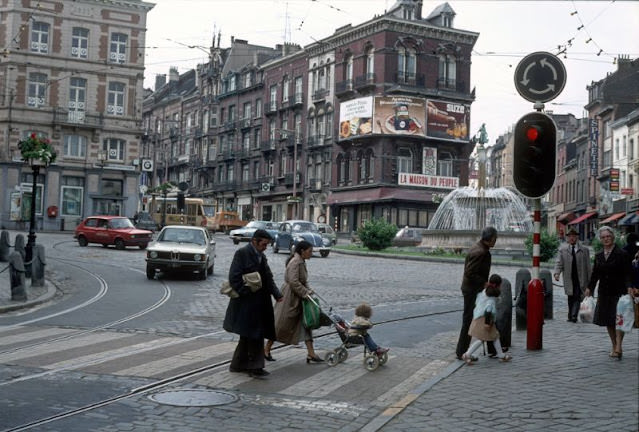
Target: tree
[[548, 245], [376, 234]]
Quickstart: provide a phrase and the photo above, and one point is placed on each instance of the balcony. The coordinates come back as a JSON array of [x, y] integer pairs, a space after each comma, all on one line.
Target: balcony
[[410, 79], [268, 145], [245, 123], [451, 84], [288, 178], [315, 185], [65, 117], [365, 81], [271, 107], [344, 88], [320, 95], [315, 141]]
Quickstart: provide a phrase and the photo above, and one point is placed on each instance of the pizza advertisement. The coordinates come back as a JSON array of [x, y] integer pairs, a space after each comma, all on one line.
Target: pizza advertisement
[[399, 115], [356, 117], [447, 120]]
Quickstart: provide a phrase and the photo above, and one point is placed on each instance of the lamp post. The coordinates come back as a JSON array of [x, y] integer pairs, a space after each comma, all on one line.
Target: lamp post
[[31, 238]]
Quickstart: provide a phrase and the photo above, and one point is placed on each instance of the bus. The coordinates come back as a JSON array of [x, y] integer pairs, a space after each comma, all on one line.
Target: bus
[[164, 211]]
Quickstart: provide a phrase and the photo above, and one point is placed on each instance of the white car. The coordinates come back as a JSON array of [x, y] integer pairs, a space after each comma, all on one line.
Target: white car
[[181, 248]]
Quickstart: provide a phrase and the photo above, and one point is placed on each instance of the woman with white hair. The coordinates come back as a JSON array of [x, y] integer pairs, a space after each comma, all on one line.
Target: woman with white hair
[[612, 269]]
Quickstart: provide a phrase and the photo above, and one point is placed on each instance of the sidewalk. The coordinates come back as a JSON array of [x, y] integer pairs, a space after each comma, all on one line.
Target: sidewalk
[[35, 295]]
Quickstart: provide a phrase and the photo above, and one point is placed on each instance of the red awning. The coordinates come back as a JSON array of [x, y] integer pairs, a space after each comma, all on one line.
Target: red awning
[[582, 218], [614, 217], [565, 216]]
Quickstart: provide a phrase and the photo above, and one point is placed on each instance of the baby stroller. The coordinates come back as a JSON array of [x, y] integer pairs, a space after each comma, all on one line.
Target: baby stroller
[[371, 359]]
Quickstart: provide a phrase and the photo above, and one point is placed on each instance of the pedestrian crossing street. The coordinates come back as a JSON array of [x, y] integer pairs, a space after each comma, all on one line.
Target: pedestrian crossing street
[[151, 356]]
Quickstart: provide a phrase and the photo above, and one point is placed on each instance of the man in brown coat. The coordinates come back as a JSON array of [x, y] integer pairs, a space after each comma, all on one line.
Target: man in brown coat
[[476, 273]]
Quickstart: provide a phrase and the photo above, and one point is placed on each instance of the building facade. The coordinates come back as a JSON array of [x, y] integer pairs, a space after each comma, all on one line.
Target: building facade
[[72, 72]]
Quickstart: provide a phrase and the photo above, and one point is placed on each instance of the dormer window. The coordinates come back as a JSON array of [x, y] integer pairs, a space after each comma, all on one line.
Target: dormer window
[[447, 20]]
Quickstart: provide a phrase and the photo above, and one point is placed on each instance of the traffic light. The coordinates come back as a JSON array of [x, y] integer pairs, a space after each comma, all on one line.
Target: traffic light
[[534, 154], [180, 201]]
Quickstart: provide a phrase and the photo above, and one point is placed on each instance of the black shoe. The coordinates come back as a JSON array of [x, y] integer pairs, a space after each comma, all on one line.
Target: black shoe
[[574, 320], [232, 369], [268, 357], [258, 373], [314, 359]]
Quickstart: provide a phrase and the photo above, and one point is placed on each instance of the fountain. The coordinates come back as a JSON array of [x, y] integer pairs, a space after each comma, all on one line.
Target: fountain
[[465, 211]]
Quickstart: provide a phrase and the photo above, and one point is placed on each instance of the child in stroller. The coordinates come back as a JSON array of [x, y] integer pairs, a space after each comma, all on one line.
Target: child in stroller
[[356, 333]]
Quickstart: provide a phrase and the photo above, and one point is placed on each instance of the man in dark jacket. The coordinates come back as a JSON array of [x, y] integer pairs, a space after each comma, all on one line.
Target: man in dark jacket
[[250, 315], [476, 273]]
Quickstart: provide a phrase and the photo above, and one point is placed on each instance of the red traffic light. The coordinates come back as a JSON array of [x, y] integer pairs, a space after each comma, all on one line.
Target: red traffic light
[[532, 133]]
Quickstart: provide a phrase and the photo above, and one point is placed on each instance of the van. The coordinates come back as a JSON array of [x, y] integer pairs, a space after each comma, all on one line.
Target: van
[[225, 221]]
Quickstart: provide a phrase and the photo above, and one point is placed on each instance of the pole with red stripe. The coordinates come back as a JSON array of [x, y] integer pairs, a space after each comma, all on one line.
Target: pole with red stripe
[[535, 298]]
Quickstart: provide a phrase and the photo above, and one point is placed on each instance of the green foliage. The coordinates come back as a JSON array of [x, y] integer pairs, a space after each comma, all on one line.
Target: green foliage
[[620, 241], [548, 245], [162, 189], [38, 148], [377, 234]]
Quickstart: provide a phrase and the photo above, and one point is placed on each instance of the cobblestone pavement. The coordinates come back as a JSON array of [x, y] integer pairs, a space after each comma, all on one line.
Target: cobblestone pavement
[[569, 385]]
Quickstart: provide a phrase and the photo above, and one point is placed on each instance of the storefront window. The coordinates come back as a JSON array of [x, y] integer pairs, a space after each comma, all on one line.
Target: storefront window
[[72, 200]]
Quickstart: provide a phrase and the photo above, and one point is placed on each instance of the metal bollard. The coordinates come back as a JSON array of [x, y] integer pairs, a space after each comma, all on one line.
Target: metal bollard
[[37, 266], [546, 277], [522, 279], [504, 319], [5, 246], [16, 272]]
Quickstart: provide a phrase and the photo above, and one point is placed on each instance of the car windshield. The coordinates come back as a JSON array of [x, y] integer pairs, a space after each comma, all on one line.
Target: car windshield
[[256, 224], [183, 236], [304, 226], [121, 223]]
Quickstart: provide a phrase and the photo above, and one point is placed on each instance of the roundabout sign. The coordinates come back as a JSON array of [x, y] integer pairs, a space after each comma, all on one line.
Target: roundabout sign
[[540, 77]]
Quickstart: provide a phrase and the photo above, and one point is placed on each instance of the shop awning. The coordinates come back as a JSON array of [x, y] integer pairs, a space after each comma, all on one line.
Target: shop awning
[[582, 218], [629, 219], [613, 218], [565, 217]]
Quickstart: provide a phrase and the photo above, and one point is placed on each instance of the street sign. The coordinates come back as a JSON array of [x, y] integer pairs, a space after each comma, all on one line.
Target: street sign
[[540, 77], [147, 165]]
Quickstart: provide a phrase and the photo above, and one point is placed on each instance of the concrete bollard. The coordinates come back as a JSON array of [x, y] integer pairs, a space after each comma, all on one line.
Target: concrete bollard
[[5, 246], [522, 279], [19, 246], [16, 272], [546, 277], [504, 319], [37, 266]]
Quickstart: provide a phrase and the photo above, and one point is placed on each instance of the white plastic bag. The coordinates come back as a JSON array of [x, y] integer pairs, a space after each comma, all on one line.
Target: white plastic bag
[[625, 314], [587, 309]]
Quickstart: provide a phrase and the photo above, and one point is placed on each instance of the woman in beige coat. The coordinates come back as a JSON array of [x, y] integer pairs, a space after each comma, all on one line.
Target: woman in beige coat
[[288, 313]]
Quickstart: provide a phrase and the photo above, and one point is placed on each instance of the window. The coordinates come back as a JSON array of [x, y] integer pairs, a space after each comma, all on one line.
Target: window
[[404, 161], [245, 173], [27, 185], [284, 131], [232, 113], [37, 89], [447, 71], [247, 110], [75, 146], [72, 192], [370, 63], [617, 149], [115, 99], [246, 141], [77, 99], [247, 79], [232, 82], [283, 161], [631, 148], [285, 86], [40, 37], [114, 148], [230, 173], [406, 64], [329, 124], [298, 90], [348, 74], [273, 98], [272, 128], [117, 51], [298, 127], [258, 107], [111, 187], [445, 164], [80, 43]]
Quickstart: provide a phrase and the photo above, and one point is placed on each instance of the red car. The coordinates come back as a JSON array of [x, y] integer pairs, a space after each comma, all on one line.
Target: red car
[[111, 230]]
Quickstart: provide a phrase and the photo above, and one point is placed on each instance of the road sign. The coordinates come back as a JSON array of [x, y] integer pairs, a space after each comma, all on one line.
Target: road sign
[[540, 77], [147, 165]]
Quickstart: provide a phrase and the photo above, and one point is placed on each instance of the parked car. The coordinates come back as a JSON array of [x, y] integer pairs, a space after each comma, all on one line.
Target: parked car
[[225, 221], [408, 236], [328, 232], [245, 233], [181, 248], [111, 230], [143, 220], [293, 231]]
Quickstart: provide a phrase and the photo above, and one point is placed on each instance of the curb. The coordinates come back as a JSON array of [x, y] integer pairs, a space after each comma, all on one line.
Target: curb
[[51, 290]]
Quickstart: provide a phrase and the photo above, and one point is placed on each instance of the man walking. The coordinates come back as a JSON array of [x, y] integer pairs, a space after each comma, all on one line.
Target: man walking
[[476, 272], [250, 314], [573, 260]]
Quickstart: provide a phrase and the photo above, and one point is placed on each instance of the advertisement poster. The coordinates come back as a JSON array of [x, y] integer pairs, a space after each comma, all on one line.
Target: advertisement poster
[[429, 161], [399, 115], [16, 205], [447, 120], [356, 117]]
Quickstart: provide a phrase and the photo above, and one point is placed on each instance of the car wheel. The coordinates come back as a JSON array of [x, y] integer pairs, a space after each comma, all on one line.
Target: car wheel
[[210, 269], [82, 241], [119, 244], [324, 254], [150, 272], [276, 248], [143, 246], [236, 241], [203, 274], [104, 245]]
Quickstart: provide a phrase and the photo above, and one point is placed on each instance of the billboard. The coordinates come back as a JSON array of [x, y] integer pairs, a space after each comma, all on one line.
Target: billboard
[[400, 115], [447, 120], [356, 117]]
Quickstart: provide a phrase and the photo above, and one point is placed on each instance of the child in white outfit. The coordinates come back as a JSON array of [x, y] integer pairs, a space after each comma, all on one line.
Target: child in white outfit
[[483, 327], [360, 325]]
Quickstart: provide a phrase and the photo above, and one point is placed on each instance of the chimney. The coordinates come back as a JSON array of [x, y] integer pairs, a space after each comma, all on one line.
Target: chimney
[[174, 75], [160, 81], [418, 9]]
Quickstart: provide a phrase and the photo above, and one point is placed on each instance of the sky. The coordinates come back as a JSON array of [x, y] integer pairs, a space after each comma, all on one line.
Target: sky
[[591, 34]]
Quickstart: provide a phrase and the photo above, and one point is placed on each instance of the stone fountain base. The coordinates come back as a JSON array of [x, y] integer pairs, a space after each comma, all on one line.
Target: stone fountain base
[[508, 243]]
